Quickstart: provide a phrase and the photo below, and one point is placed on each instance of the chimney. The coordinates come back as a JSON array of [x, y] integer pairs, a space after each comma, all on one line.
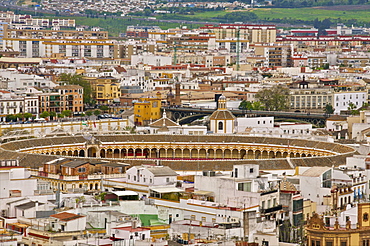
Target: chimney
[[134, 224]]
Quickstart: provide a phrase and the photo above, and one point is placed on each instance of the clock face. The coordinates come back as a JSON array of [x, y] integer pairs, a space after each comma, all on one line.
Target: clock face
[[117, 231]]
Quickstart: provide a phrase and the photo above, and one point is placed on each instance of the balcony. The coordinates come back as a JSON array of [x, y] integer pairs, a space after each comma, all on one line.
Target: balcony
[[271, 210]]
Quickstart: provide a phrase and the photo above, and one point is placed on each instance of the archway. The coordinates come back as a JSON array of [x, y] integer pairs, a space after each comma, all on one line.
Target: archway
[[123, 153], [264, 155], [82, 153], [235, 154], [202, 154], [227, 154], [257, 154], [138, 153], [170, 153], [178, 153], [219, 154], [186, 153], [102, 153], [116, 153], [91, 152]]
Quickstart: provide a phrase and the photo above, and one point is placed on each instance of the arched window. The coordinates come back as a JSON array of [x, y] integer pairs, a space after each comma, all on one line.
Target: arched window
[[220, 125]]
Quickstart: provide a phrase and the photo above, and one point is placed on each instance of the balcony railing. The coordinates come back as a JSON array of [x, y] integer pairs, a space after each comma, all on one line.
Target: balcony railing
[[273, 209]]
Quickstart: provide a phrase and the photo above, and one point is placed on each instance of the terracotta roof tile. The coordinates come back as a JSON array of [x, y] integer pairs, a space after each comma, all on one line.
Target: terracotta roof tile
[[64, 216]]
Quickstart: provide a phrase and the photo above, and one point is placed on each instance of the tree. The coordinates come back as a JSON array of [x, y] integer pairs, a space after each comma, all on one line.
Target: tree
[[45, 114], [104, 108], [250, 105], [52, 115], [20, 116], [77, 79], [328, 109], [97, 112], [67, 113], [89, 112], [274, 98], [11, 117], [27, 115], [352, 108]]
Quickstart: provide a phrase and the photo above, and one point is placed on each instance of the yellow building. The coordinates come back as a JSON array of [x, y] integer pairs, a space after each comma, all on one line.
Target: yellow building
[[320, 233], [105, 90], [147, 109]]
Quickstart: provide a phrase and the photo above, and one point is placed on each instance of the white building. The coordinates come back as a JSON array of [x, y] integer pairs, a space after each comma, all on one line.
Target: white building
[[68, 222], [316, 184], [336, 123], [139, 177], [343, 99], [15, 181], [130, 233], [151, 59], [254, 122]]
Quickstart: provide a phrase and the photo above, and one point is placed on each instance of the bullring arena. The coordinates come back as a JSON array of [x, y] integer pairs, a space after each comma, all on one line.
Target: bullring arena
[[180, 152]]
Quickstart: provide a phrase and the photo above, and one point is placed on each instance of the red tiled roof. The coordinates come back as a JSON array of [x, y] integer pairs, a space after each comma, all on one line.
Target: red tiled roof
[[64, 216], [120, 69]]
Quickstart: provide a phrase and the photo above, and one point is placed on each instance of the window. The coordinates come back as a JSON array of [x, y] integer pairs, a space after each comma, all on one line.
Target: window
[[365, 217], [220, 125], [343, 243], [167, 180], [235, 172], [251, 170], [315, 243], [81, 170], [245, 186], [329, 243], [366, 242]]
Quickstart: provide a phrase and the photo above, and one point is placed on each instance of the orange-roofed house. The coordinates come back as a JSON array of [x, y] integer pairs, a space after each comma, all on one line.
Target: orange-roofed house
[[68, 222]]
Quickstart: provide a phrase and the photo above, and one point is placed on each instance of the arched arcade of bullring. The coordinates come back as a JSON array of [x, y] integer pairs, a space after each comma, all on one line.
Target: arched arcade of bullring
[[185, 152]]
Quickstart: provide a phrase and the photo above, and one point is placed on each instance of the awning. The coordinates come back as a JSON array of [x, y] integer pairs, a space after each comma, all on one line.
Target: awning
[[203, 193], [166, 189], [125, 193]]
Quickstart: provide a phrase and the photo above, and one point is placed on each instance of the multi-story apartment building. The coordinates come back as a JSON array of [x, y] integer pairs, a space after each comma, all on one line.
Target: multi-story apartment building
[[275, 54], [231, 45], [326, 43], [252, 33], [317, 60], [10, 105], [68, 43], [65, 97], [141, 31], [27, 21], [147, 109], [105, 89], [135, 47]]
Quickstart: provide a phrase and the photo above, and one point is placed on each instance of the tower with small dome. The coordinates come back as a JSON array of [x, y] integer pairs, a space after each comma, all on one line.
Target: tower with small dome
[[222, 121]]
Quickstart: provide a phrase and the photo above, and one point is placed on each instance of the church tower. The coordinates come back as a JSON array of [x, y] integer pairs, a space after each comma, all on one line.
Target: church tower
[[222, 121]]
